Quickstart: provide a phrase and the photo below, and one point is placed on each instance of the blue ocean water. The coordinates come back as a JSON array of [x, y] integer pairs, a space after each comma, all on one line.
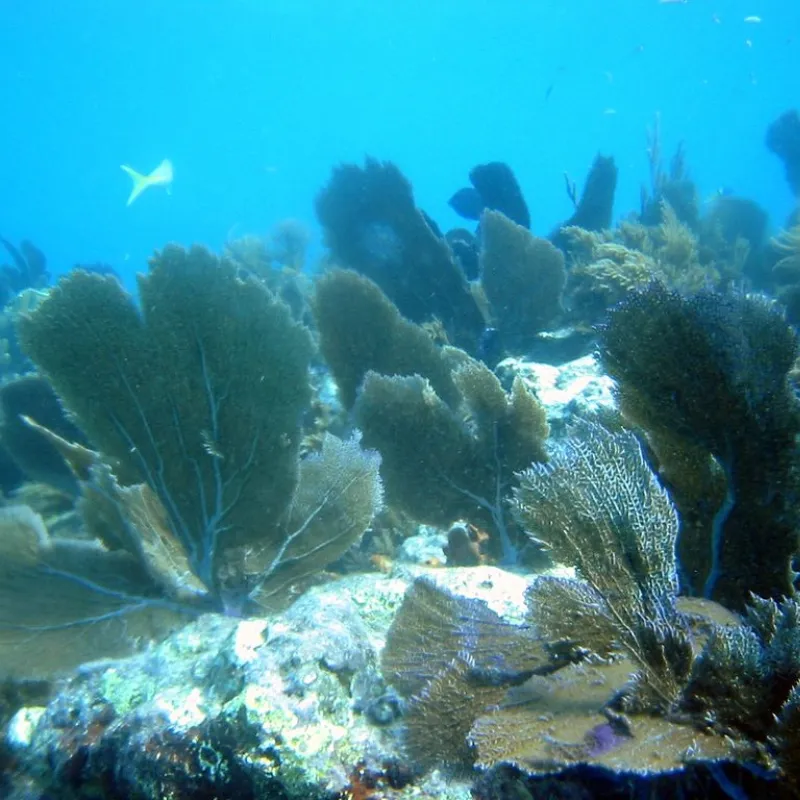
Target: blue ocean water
[[254, 101]]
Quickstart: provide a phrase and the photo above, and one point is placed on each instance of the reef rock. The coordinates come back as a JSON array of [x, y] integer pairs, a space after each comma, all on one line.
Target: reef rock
[[575, 390], [288, 706]]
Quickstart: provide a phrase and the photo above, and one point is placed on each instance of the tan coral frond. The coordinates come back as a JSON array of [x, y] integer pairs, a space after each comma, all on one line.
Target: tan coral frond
[[787, 242]]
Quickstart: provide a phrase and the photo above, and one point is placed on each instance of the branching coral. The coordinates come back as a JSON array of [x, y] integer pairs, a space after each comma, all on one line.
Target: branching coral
[[787, 243], [443, 463], [522, 277], [786, 270], [709, 696], [603, 273], [629, 568], [360, 330], [711, 371], [450, 436], [607, 266], [373, 226], [196, 402]]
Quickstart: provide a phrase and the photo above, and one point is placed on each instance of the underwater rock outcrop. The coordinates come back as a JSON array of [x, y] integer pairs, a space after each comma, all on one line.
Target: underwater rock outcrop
[[199, 499], [287, 707], [711, 371]]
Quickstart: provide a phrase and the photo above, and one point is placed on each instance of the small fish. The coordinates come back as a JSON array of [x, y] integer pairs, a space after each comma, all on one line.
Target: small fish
[[160, 176], [720, 191], [752, 19], [210, 446]]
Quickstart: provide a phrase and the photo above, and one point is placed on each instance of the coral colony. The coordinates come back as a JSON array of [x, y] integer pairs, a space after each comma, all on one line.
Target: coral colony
[[214, 493]]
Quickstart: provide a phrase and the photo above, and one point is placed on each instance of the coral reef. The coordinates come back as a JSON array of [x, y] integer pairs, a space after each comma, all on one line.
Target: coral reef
[[201, 501], [522, 278], [28, 271], [783, 139], [360, 330], [673, 186], [372, 225], [711, 371], [443, 463], [30, 397], [595, 207], [225, 708], [622, 679], [494, 188], [449, 435], [191, 488]]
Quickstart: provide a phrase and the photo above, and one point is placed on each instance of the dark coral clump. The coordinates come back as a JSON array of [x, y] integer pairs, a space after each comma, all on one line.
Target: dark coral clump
[[522, 277], [712, 371], [372, 225], [30, 397], [28, 270], [451, 438], [783, 139], [198, 499], [595, 207], [494, 188]]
